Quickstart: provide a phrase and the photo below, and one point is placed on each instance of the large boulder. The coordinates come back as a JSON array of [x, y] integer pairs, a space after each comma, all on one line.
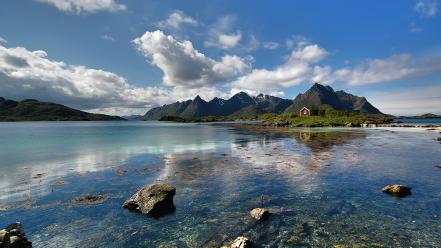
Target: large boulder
[[260, 214], [240, 242], [397, 190], [13, 236], [155, 199]]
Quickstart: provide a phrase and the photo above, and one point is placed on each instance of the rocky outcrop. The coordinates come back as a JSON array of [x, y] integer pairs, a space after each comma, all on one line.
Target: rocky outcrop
[[240, 242], [397, 190], [155, 200], [13, 236], [260, 214]]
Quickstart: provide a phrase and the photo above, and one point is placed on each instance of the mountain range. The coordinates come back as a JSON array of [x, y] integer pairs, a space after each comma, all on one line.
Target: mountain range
[[34, 110], [242, 104]]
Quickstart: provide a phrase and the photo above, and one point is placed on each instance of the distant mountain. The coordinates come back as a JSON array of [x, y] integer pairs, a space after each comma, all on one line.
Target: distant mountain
[[33, 110], [132, 117], [242, 104], [324, 95]]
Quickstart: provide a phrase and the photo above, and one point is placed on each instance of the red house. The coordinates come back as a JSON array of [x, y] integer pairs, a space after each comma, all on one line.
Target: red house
[[305, 112]]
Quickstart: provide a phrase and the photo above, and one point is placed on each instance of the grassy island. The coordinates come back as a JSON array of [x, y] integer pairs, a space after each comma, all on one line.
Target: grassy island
[[323, 116]]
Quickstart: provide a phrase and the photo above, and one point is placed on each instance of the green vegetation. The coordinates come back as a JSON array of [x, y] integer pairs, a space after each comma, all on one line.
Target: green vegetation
[[209, 118], [428, 115], [172, 118], [325, 116]]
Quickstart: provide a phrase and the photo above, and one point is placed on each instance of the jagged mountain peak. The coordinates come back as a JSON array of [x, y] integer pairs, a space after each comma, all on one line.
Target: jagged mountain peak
[[243, 104], [198, 99], [320, 94], [241, 95]]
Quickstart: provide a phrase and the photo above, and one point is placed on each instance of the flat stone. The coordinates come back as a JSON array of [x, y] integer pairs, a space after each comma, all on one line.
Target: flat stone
[[240, 242], [260, 214], [397, 190], [155, 200]]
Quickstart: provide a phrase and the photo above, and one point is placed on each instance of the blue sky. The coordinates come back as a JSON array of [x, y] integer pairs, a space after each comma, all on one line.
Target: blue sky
[[126, 56]]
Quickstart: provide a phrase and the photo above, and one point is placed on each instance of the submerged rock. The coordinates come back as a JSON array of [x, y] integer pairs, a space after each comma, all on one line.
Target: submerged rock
[[240, 242], [397, 190], [13, 236], [59, 183], [155, 199], [343, 207], [90, 199], [260, 214]]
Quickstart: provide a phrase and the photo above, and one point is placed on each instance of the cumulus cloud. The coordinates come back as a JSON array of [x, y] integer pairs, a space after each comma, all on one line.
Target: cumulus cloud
[[176, 19], [221, 35], [296, 69], [3, 40], [426, 8], [30, 74], [396, 67], [85, 6], [185, 66]]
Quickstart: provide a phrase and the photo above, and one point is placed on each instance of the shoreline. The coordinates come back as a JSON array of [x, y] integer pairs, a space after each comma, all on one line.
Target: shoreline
[[429, 127]]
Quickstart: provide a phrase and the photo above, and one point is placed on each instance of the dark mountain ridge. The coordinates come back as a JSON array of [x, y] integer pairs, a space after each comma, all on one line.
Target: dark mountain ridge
[[242, 104], [34, 110], [324, 95]]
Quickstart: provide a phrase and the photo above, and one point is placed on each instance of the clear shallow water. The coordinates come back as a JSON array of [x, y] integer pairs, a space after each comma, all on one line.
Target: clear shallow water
[[324, 184]]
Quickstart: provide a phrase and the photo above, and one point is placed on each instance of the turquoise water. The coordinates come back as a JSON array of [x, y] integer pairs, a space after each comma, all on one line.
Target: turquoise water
[[419, 121], [323, 184]]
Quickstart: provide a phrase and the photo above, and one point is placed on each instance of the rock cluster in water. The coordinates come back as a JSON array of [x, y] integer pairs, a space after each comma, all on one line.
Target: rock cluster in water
[[155, 199], [397, 190], [260, 214], [13, 236], [240, 242]]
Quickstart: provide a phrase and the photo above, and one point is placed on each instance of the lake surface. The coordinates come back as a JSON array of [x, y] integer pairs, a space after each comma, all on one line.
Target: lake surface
[[419, 121], [323, 184]]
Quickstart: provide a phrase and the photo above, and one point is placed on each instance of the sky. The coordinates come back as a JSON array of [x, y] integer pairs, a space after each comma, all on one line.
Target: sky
[[124, 57]]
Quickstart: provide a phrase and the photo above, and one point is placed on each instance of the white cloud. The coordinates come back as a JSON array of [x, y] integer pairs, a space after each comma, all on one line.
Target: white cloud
[[426, 8], [409, 101], [107, 37], [176, 19], [3, 40], [298, 68], [30, 74], [185, 66], [271, 45], [396, 67], [85, 6], [222, 36], [309, 53], [228, 41]]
